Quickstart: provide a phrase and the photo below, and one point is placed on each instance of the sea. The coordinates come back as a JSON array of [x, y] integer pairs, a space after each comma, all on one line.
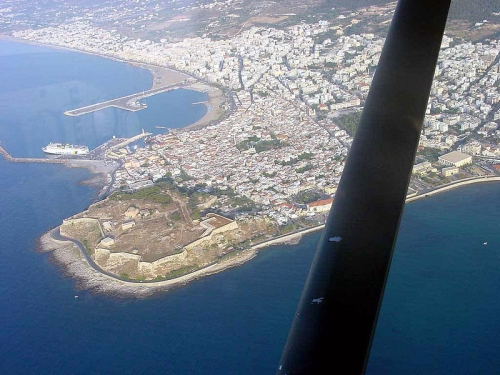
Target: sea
[[439, 314]]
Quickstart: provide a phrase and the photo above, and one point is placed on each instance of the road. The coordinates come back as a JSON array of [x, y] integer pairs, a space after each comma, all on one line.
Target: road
[[56, 235]]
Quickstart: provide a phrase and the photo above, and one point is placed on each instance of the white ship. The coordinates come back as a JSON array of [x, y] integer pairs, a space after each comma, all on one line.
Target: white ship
[[66, 149]]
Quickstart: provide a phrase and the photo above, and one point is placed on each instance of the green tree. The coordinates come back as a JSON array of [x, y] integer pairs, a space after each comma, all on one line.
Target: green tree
[[349, 122]]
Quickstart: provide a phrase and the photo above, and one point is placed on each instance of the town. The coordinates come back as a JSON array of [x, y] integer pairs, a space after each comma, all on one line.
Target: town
[[293, 97]]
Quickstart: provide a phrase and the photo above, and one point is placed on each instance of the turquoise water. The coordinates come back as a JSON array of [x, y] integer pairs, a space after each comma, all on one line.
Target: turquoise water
[[439, 314]]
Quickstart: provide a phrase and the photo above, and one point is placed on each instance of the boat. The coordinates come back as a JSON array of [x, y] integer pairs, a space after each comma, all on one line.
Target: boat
[[65, 149]]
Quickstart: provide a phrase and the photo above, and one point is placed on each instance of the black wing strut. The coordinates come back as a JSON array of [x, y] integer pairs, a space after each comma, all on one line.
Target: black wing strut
[[335, 321]]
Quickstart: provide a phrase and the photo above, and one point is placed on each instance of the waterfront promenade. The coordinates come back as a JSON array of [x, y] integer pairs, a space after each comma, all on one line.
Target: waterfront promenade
[[453, 185]]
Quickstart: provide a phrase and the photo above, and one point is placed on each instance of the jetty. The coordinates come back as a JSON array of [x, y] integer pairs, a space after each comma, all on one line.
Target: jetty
[[129, 103], [96, 155], [130, 140], [11, 159]]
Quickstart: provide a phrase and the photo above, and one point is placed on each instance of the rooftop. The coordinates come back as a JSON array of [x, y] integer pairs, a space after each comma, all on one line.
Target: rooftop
[[454, 156], [321, 202]]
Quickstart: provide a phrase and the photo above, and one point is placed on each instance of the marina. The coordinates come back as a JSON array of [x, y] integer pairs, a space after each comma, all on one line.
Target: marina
[[130, 140]]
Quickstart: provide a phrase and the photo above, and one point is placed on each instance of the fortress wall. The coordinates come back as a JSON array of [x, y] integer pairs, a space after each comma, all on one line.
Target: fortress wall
[[86, 220]]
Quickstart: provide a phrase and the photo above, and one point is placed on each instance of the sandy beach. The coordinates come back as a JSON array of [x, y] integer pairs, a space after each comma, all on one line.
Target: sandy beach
[[214, 110], [163, 76]]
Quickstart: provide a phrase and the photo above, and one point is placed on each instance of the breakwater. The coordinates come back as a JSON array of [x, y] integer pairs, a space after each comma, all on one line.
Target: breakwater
[[95, 156], [11, 159], [128, 102], [130, 140]]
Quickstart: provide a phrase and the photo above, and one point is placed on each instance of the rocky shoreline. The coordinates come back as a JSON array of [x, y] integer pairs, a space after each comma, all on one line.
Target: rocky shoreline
[[67, 256]]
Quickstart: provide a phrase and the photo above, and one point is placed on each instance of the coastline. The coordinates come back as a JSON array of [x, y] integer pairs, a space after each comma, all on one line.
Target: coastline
[[214, 113], [453, 185], [161, 76], [74, 264], [67, 254], [99, 172], [70, 258]]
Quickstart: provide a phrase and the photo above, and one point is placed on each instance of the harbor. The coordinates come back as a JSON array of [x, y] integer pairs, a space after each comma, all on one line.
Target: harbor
[[130, 140], [96, 155], [11, 159]]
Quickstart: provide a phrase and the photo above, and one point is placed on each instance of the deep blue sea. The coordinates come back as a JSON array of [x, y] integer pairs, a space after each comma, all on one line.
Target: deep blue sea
[[439, 316]]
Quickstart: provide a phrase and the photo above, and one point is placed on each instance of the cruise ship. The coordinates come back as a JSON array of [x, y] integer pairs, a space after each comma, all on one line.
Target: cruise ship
[[65, 149]]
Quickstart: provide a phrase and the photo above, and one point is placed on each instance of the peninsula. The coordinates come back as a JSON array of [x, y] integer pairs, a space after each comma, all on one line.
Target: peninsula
[[265, 161]]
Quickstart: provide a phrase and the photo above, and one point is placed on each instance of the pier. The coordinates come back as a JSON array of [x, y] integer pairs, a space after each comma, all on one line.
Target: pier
[[110, 152], [128, 103], [130, 140], [95, 156]]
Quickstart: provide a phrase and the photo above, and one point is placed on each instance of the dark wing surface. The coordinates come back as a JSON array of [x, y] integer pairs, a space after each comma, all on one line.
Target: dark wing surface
[[335, 321]]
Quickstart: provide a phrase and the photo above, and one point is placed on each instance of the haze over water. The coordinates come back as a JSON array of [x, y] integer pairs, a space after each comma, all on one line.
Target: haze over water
[[440, 312], [39, 84]]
